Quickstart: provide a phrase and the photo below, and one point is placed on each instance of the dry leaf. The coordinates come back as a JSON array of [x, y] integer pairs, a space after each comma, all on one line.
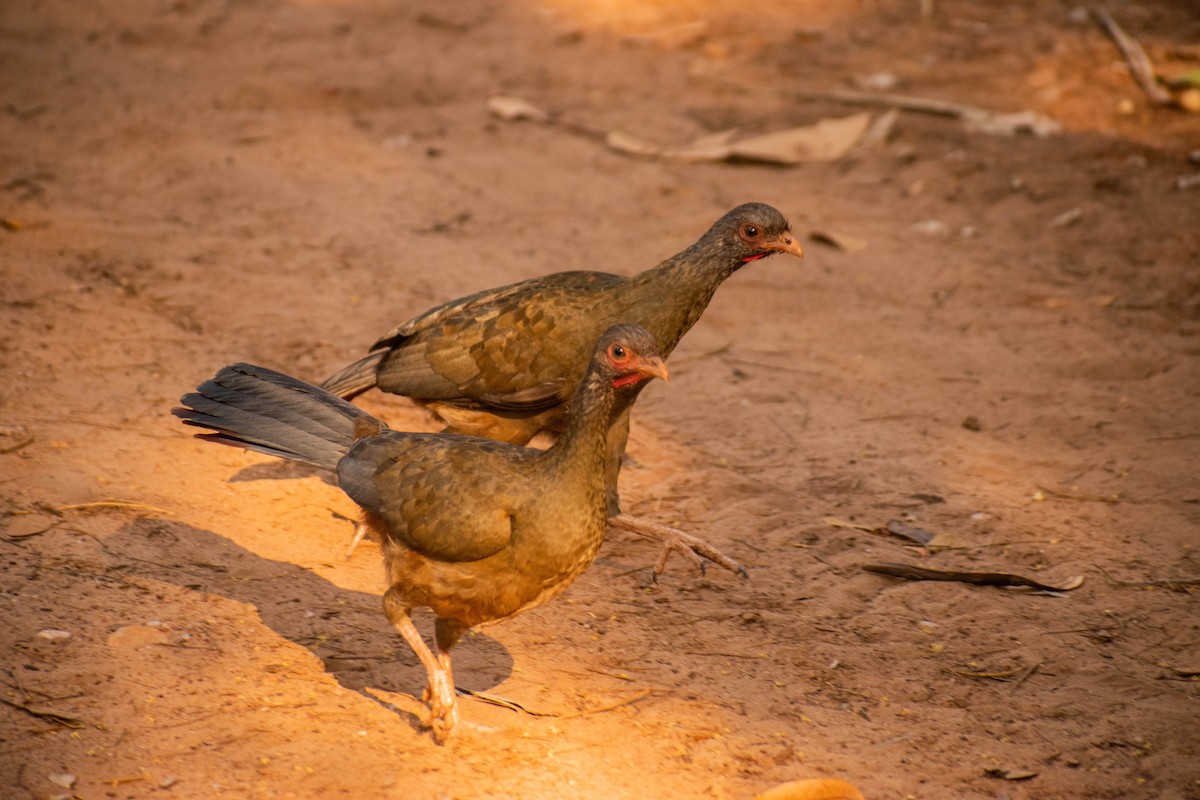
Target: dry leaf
[[980, 121], [947, 540], [713, 147], [910, 532], [514, 108], [812, 789], [1009, 774], [629, 144], [827, 140], [881, 129]]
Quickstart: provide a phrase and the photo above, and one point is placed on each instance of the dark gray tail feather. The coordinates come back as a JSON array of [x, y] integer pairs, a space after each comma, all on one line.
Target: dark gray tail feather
[[264, 410], [353, 380]]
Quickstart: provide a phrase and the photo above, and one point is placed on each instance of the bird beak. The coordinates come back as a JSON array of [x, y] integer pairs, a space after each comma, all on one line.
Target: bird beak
[[653, 367], [786, 243]]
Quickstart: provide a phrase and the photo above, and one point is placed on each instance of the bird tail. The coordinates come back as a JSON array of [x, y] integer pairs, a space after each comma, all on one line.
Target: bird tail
[[269, 412], [354, 379]]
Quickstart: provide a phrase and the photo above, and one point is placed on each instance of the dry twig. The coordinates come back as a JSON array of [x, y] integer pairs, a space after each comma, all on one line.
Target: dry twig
[[1139, 63]]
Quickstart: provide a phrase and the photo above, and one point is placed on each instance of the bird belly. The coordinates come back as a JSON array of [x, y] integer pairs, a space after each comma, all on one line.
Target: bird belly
[[495, 588]]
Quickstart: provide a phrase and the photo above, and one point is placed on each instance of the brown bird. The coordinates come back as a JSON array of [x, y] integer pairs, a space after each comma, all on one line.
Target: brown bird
[[504, 363], [475, 529]]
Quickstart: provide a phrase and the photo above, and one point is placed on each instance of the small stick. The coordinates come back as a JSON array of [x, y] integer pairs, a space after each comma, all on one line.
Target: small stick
[[913, 573], [66, 720], [1139, 63], [106, 504]]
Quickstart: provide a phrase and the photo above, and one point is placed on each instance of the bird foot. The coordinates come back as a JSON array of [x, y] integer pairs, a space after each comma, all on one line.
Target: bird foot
[[442, 704], [676, 541]]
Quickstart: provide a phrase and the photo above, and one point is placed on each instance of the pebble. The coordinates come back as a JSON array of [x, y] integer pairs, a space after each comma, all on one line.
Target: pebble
[[53, 635]]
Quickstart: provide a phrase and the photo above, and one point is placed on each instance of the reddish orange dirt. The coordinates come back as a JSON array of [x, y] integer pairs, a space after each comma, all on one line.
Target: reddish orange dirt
[[1010, 361]]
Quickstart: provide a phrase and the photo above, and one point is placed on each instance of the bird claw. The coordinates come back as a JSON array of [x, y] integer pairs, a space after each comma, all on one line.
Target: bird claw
[[675, 540], [443, 707], [360, 530]]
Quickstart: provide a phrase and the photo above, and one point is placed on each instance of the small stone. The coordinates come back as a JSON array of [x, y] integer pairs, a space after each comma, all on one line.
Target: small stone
[[53, 635], [930, 227], [972, 423]]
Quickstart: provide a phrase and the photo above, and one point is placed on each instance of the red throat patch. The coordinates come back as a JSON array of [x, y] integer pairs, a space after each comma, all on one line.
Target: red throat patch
[[754, 257], [622, 381]]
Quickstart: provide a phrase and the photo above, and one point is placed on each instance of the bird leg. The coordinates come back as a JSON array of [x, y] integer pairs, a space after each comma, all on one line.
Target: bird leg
[[360, 530], [440, 691], [675, 540]]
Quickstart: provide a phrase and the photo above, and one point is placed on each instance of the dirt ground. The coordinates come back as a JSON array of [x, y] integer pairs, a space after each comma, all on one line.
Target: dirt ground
[[1007, 356]]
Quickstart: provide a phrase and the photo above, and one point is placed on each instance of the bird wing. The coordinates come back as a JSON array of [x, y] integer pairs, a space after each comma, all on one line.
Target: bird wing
[[447, 497], [520, 347]]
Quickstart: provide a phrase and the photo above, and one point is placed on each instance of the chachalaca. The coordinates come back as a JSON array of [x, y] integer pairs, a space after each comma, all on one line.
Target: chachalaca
[[475, 529], [504, 363]]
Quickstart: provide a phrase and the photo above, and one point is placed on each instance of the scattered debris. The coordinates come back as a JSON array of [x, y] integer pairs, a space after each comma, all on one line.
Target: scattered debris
[[910, 532], [1067, 218], [1139, 63], [825, 140], [974, 119], [104, 505], [52, 635], [26, 524], [513, 705], [1009, 774], [63, 779], [914, 573], [930, 227], [57, 717], [1185, 183], [1017, 674], [514, 109]]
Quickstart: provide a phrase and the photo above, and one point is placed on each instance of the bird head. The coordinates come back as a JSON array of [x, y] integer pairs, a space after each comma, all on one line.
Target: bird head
[[753, 231], [628, 355]]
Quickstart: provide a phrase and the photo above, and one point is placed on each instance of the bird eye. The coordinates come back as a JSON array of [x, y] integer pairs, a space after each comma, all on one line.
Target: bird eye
[[617, 351], [750, 231]]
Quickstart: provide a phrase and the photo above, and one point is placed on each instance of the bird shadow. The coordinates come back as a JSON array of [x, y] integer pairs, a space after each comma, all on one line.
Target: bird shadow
[[282, 471], [346, 629]]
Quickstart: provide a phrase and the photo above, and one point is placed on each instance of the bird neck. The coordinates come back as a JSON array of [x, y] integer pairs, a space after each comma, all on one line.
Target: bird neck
[[583, 444], [684, 285]]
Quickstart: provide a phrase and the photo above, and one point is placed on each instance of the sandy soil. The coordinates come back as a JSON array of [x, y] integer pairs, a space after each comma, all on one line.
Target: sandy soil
[[1011, 362]]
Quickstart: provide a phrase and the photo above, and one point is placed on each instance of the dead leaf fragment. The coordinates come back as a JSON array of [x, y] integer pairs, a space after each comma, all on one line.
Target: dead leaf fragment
[[947, 541], [514, 109], [24, 526], [839, 523], [812, 789], [63, 779], [910, 532], [1009, 774], [627, 143], [827, 140]]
